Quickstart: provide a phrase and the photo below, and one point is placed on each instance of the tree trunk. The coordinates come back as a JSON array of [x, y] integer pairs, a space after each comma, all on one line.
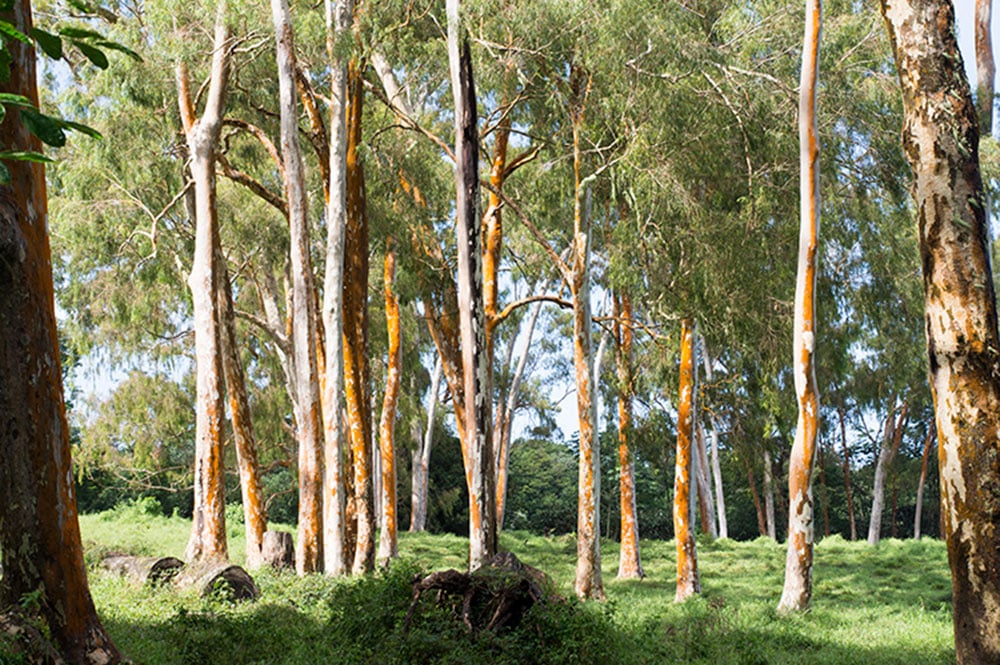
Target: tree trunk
[[40, 538], [941, 140], [387, 547], [422, 458], [891, 439], [629, 562], [706, 506], [761, 517], [847, 475], [720, 499], [687, 557], [772, 530], [472, 322], [309, 553], [985, 68], [338, 16], [208, 529], [824, 494], [798, 565], [357, 373], [918, 514]]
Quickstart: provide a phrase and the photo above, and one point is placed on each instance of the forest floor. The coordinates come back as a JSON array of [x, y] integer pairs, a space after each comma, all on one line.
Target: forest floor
[[871, 605]]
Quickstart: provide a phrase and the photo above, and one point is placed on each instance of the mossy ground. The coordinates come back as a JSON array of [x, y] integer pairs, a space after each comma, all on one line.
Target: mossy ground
[[888, 604]]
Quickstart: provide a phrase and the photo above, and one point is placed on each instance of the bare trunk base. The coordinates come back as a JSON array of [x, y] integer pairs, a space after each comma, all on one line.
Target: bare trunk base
[[278, 551]]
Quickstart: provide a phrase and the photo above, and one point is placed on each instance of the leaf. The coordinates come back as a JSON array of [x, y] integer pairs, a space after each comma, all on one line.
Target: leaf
[[95, 55], [15, 100], [10, 31], [26, 156], [80, 33], [4, 174], [121, 48], [83, 129], [47, 129], [51, 44]]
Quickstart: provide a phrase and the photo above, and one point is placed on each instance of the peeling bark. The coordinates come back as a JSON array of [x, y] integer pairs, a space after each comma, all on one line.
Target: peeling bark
[[629, 563], [770, 521], [387, 547], [40, 538], [985, 67], [941, 141], [798, 564], [688, 583]]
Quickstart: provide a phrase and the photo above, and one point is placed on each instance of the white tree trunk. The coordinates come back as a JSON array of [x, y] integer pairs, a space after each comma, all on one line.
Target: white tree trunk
[[769, 497]]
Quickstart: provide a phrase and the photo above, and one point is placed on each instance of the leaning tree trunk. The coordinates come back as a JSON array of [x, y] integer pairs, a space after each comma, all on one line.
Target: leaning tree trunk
[[941, 140], [40, 538], [422, 458], [918, 513], [687, 556], [629, 563], [476, 380], [387, 546], [798, 564], [338, 16], [309, 551], [985, 67], [891, 439], [706, 506], [208, 528]]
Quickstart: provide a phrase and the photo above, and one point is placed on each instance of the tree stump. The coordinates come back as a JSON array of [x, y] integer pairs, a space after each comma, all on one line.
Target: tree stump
[[496, 596], [278, 551], [144, 569], [223, 578]]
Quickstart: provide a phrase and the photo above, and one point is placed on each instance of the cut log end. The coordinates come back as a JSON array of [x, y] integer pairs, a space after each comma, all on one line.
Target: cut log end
[[228, 580], [146, 570]]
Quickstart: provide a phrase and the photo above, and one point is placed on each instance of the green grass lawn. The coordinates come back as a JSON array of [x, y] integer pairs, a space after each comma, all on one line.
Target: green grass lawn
[[890, 604]]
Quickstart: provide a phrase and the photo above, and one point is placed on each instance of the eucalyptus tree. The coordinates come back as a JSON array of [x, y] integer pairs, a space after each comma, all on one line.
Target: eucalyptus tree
[[941, 140]]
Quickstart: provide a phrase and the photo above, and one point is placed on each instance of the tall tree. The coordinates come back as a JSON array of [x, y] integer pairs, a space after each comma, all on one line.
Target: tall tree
[[40, 538], [208, 530], [985, 67], [798, 564], [387, 546], [629, 563], [309, 550], [918, 512], [472, 322], [688, 583], [941, 140], [338, 16], [891, 440], [422, 457]]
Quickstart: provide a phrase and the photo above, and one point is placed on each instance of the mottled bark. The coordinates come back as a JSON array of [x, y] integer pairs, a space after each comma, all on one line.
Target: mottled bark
[[688, 583], [941, 141], [357, 373], [422, 457], [208, 529], [40, 538], [706, 506], [629, 563], [472, 322], [338, 16], [309, 433], [928, 445], [768, 480], [892, 437], [798, 564], [387, 546], [985, 67]]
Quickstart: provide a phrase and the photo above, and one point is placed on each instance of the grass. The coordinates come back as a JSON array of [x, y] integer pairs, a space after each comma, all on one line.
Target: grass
[[889, 604]]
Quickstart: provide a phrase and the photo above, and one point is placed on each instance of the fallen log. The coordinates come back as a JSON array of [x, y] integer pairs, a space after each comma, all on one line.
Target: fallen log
[[144, 569], [229, 580], [496, 596]]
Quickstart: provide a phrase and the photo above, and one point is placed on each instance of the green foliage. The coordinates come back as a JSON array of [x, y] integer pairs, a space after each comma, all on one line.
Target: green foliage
[[542, 489]]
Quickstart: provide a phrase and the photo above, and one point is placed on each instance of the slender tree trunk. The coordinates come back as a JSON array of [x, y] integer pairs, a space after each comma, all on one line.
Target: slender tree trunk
[[761, 517], [387, 547], [338, 16], [824, 494], [40, 538], [309, 551], [890, 444], [254, 510], [918, 514], [687, 557], [798, 565], [720, 499], [472, 322], [985, 67], [772, 530], [941, 139], [503, 432], [422, 458], [629, 562], [357, 373], [706, 506], [208, 530], [847, 475]]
